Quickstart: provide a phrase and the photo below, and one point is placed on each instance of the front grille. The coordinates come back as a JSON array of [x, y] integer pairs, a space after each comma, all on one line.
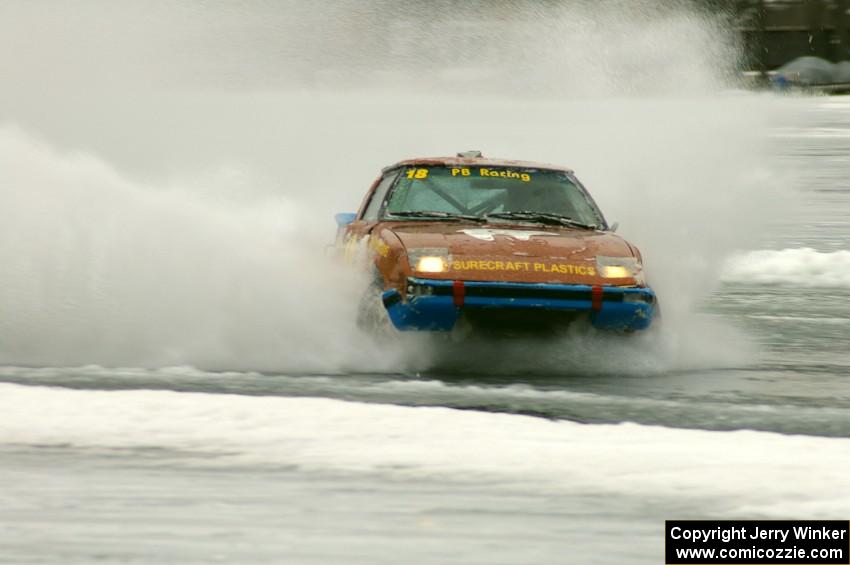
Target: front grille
[[416, 288]]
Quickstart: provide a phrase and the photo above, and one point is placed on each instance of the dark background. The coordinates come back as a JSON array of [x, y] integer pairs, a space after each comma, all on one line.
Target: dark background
[[777, 31]]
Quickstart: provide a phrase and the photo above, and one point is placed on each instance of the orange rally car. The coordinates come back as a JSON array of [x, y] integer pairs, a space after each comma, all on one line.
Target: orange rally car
[[491, 243]]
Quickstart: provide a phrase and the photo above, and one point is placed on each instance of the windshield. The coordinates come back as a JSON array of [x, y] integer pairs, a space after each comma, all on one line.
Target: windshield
[[480, 192]]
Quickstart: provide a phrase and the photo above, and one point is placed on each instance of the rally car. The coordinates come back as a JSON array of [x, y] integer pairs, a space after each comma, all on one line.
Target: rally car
[[491, 243]]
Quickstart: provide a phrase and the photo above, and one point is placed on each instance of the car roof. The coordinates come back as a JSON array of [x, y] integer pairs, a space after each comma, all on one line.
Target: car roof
[[475, 162]]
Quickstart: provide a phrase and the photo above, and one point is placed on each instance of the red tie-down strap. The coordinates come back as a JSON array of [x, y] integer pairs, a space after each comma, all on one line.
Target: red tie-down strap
[[458, 292], [596, 298]]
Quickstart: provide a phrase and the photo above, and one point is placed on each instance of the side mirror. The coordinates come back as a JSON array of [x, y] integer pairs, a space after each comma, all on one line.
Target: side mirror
[[614, 226], [344, 218]]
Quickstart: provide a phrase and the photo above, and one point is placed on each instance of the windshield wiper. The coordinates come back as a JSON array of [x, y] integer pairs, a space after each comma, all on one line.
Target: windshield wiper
[[435, 215], [542, 217]]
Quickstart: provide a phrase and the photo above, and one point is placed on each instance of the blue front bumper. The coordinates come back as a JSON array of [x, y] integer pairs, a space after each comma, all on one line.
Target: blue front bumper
[[436, 305]]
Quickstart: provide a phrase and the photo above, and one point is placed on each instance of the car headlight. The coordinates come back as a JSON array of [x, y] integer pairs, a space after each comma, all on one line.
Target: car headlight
[[431, 264], [618, 267], [429, 260]]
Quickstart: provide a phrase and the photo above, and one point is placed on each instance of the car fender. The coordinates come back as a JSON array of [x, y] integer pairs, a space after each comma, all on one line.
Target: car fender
[[389, 257]]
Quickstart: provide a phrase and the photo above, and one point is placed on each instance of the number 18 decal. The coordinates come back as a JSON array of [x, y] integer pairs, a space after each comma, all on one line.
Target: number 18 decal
[[417, 173]]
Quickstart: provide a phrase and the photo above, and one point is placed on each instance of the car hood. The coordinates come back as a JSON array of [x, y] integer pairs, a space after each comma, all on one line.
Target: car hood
[[512, 253]]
